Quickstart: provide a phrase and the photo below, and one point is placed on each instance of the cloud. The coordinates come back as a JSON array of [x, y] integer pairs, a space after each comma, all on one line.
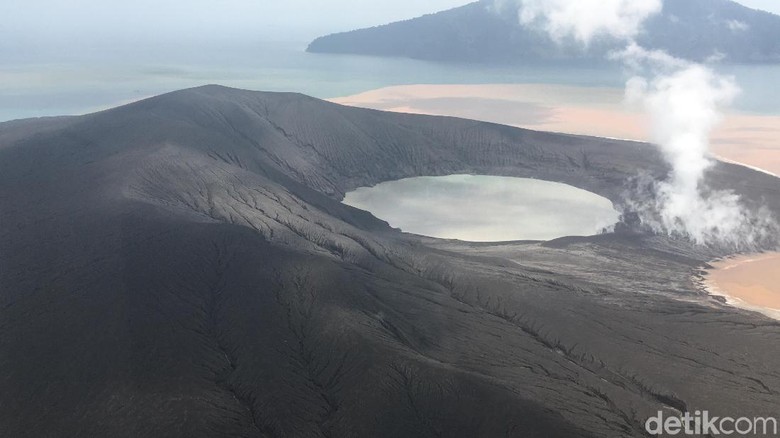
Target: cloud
[[737, 26], [585, 20], [638, 59]]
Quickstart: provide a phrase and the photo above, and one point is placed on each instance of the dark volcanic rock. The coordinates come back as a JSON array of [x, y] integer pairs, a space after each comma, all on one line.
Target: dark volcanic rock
[[689, 29], [182, 267]]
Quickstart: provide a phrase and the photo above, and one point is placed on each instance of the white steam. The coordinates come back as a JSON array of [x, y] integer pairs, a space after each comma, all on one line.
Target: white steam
[[684, 102], [586, 19]]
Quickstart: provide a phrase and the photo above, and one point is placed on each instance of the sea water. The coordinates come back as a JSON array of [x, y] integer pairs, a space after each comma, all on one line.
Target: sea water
[[79, 81]]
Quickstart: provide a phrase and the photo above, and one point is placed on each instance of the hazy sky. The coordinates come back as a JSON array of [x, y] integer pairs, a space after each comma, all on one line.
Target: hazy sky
[[49, 20], [279, 19], [767, 5]]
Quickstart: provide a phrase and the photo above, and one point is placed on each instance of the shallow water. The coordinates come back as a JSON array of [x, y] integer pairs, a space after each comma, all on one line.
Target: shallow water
[[486, 208], [82, 81], [749, 282]]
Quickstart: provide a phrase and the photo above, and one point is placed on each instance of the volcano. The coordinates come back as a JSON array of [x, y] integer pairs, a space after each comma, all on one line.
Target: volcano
[[487, 32], [183, 267]]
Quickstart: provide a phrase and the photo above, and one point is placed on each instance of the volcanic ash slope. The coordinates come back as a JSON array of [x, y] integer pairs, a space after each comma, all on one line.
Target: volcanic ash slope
[[182, 267]]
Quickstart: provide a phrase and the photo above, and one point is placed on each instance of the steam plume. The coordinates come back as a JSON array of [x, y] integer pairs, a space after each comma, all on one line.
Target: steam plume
[[684, 102], [586, 19]]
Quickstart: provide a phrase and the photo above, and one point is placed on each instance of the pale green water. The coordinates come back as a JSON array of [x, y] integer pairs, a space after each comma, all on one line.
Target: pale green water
[[486, 208], [47, 84]]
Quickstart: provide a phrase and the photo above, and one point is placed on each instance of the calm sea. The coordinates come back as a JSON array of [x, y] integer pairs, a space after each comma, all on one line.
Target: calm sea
[[79, 82]]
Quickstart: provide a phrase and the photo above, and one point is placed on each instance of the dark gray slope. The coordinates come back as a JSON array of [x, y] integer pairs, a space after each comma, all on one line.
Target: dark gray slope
[[691, 29], [182, 267]]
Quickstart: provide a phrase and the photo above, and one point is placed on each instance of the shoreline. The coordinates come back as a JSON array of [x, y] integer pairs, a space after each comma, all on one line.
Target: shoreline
[[748, 140], [749, 166], [745, 282]]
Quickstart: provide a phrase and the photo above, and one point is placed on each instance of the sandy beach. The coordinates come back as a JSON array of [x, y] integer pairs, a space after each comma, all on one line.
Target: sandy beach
[[751, 282]]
